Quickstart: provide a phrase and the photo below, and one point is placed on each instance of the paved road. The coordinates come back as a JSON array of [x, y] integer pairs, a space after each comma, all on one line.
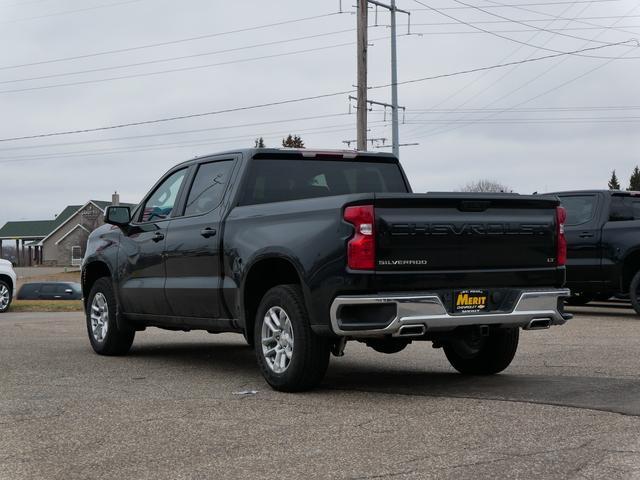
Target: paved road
[[568, 407]]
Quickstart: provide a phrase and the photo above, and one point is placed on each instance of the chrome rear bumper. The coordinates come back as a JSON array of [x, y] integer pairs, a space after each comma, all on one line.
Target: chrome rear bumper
[[416, 315]]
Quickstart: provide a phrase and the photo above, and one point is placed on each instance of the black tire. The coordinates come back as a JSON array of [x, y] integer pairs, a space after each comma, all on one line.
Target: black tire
[[579, 299], [5, 287], [115, 341], [310, 353], [493, 354], [634, 295]]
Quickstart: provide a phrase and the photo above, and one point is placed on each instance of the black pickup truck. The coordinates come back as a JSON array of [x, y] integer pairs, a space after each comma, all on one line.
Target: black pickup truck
[[603, 236], [303, 250]]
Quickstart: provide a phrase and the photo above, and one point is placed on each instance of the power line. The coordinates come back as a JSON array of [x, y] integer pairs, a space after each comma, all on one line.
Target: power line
[[179, 69], [519, 5], [527, 110], [537, 77], [56, 14], [530, 20], [507, 64], [552, 30], [177, 132], [297, 100], [181, 57], [502, 17], [538, 12], [171, 42], [507, 57], [179, 117], [151, 147], [513, 39]]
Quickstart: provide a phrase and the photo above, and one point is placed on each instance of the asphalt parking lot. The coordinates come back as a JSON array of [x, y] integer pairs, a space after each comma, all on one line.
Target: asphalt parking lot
[[568, 407]]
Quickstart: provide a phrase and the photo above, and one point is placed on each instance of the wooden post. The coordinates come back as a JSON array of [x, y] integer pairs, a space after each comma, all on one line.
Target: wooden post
[[17, 252], [30, 256], [1, 248], [363, 39]]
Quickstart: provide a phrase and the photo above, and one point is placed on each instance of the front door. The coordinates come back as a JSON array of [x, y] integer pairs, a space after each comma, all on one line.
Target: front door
[[193, 257], [142, 246]]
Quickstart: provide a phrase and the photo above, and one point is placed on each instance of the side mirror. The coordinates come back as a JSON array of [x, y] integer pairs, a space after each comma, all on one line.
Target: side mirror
[[117, 215]]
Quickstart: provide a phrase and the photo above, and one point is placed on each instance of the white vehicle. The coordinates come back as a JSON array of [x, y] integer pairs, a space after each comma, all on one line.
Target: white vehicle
[[7, 285]]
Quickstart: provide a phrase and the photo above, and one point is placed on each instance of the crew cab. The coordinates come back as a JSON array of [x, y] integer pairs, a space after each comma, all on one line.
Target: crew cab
[[603, 237], [302, 250]]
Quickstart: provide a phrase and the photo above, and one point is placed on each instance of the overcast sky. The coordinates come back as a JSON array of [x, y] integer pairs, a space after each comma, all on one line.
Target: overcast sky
[[561, 123]]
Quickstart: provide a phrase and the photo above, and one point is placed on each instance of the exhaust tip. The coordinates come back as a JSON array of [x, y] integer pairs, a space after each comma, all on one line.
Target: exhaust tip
[[412, 330], [539, 324]]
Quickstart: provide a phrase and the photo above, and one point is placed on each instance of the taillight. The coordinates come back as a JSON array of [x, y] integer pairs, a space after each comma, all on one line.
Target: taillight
[[561, 218], [361, 249]]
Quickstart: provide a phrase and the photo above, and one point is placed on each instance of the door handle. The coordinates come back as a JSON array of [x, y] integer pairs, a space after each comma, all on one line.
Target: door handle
[[208, 232], [586, 235], [157, 237]]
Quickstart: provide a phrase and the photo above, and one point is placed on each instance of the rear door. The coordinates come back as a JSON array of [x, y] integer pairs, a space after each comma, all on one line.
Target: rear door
[[193, 245], [583, 232]]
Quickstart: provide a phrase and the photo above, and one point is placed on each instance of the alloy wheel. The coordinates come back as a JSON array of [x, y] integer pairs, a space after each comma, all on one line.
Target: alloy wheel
[[99, 317], [277, 339]]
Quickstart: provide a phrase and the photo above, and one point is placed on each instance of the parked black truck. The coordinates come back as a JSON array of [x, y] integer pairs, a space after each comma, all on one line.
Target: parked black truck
[[301, 251], [603, 236]]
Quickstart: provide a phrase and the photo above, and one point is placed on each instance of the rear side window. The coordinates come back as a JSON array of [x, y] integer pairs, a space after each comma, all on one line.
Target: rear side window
[[281, 180], [580, 208], [208, 187]]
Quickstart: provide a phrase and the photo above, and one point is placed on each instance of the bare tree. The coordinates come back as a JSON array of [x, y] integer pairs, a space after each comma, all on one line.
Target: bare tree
[[485, 185]]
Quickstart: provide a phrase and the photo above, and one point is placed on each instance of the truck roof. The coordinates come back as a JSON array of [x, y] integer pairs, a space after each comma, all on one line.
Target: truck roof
[[304, 152]]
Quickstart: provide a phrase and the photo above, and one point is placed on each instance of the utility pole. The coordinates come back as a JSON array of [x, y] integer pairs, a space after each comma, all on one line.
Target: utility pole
[[395, 129], [363, 40], [362, 72]]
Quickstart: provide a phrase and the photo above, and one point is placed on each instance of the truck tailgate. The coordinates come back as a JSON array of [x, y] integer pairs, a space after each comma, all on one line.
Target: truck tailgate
[[464, 232]]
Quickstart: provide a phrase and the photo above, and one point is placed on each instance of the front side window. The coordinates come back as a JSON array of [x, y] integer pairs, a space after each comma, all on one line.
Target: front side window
[[161, 203], [275, 180], [208, 187], [580, 208]]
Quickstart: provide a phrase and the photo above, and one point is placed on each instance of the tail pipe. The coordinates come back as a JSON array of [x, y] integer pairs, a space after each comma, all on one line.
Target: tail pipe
[[538, 324]]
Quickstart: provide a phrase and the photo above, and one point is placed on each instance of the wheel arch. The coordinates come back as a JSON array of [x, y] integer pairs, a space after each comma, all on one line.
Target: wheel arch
[[90, 273], [262, 275]]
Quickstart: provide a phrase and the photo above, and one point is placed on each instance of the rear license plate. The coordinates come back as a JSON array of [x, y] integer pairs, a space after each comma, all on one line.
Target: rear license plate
[[470, 301]]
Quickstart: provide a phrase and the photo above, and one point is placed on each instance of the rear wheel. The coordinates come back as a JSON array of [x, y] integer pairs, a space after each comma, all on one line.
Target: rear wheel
[[472, 354], [105, 336], [634, 294], [291, 357], [5, 296]]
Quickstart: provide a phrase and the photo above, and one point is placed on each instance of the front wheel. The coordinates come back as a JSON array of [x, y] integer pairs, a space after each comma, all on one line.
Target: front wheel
[[291, 357], [105, 336], [473, 354]]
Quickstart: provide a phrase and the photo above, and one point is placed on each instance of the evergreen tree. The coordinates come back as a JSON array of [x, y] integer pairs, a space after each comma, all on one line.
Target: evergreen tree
[[614, 184], [293, 141], [634, 181], [259, 143]]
